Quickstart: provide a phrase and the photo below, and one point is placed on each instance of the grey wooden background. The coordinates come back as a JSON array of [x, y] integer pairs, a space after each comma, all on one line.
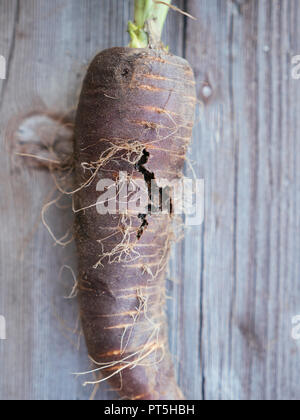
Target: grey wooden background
[[234, 281]]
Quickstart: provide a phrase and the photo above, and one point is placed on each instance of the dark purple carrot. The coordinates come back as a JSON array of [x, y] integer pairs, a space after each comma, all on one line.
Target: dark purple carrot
[[135, 116]]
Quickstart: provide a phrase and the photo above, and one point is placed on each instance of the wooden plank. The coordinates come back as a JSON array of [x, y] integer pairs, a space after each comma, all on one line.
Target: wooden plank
[[247, 146]]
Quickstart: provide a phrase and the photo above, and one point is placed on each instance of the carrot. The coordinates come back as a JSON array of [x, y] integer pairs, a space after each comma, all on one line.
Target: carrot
[[135, 115]]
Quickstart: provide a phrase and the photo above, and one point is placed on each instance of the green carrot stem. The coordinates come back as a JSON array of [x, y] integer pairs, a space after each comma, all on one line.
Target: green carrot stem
[[149, 20]]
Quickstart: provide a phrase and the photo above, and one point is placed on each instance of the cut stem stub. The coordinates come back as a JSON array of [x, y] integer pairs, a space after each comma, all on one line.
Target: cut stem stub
[[149, 20]]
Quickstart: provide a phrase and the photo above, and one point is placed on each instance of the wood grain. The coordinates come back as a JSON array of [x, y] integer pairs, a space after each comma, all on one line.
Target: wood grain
[[246, 146], [234, 281]]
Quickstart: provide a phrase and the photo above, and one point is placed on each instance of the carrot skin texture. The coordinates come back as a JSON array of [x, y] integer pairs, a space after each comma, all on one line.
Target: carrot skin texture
[[130, 97]]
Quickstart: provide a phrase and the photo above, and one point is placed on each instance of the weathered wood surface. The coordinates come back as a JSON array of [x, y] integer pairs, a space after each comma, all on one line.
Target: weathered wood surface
[[234, 281]]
